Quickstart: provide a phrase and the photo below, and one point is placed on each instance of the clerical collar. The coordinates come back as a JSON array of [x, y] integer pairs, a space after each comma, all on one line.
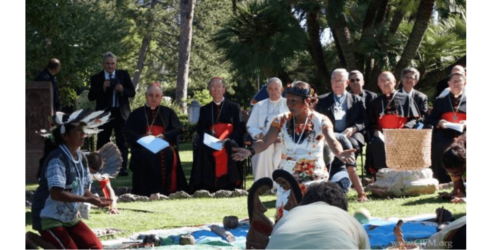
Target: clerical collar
[[341, 95], [218, 103], [275, 102], [389, 95], [107, 75], [147, 105]]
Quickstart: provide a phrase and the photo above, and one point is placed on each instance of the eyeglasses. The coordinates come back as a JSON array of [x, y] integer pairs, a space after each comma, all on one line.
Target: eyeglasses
[[410, 78], [355, 80]]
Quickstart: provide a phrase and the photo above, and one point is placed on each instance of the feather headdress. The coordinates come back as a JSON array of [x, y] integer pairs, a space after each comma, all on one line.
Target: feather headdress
[[112, 159], [90, 120]]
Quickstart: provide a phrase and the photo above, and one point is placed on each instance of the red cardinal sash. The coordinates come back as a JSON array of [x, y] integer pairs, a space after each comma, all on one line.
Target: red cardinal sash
[[222, 131], [392, 121], [158, 130], [448, 116]]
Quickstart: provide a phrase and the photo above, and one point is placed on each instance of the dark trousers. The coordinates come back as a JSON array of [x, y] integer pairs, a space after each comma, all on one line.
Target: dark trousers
[[347, 143], [116, 123]]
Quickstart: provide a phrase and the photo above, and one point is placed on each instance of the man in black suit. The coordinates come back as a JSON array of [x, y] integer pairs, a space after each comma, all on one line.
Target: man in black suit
[[347, 113], [410, 77], [356, 83], [111, 89], [49, 75]]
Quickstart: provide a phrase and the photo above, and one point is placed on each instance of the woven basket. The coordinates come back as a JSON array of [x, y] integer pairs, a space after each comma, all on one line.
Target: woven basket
[[408, 149]]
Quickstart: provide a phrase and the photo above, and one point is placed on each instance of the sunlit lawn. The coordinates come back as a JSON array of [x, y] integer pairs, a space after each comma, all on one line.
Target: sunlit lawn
[[190, 212]]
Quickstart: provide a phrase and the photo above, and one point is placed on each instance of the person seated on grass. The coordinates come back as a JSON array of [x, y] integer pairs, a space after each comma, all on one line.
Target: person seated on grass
[[454, 162], [95, 164], [304, 133], [321, 221]]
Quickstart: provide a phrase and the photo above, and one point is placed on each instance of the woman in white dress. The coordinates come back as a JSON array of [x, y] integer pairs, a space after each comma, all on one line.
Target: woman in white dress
[[304, 133]]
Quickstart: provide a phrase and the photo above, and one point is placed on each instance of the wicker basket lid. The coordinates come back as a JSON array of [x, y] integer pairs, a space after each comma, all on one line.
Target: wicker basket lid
[[408, 149]]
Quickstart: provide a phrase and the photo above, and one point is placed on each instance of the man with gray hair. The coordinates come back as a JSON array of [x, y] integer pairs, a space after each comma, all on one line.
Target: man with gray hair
[[347, 113], [442, 86], [111, 89], [410, 77], [263, 113]]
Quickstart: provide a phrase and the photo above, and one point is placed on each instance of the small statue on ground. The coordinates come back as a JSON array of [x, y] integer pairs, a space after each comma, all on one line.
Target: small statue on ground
[[399, 235]]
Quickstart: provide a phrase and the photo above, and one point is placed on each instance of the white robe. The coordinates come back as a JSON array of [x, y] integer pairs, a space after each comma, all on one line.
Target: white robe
[[264, 163]]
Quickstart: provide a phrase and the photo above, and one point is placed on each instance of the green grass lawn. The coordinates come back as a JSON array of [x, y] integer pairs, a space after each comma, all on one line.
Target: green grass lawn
[[190, 212]]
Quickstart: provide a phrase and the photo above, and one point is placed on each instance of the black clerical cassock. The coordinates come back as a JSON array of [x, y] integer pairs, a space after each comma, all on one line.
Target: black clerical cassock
[[450, 109], [213, 170], [394, 111], [161, 172]]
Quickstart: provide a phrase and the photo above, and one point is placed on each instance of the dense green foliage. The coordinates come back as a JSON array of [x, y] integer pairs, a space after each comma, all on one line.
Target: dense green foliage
[[288, 38], [76, 32]]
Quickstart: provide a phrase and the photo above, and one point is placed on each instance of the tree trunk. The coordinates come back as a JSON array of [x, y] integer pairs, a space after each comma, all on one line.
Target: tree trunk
[[316, 50], [140, 62], [382, 9], [372, 20], [396, 20], [339, 49], [337, 23], [142, 55], [424, 14], [187, 13], [343, 34]]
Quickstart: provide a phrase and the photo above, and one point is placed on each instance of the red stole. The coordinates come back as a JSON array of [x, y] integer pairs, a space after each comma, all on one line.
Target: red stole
[[103, 187], [448, 116], [155, 130], [158, 130], [222, 131], [392, 121]]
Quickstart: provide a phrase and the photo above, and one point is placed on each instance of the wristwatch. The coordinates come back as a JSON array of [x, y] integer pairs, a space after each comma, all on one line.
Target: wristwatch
[[252, 151]]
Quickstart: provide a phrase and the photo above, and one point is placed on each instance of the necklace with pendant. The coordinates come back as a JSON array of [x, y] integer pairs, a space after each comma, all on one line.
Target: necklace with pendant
[[152, 122], [455, 117], [389, 103], [218, 116]]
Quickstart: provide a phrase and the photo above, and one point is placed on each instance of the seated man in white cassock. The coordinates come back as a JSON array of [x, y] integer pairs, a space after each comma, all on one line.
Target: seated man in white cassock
[[263, 113]]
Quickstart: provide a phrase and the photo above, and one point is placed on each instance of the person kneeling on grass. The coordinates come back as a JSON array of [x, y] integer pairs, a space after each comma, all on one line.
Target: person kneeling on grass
[[64, 181], [321, 221], [454, 161]]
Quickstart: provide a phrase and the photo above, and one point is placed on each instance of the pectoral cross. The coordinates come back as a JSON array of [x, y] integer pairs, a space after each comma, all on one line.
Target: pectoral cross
[[149, 133], [455, 117]]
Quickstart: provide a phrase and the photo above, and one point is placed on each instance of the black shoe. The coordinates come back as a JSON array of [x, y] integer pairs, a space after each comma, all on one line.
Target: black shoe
[[123, 172]]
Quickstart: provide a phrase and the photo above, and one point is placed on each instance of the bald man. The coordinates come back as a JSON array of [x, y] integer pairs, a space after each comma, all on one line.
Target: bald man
[[390, 110], [49, 75]]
